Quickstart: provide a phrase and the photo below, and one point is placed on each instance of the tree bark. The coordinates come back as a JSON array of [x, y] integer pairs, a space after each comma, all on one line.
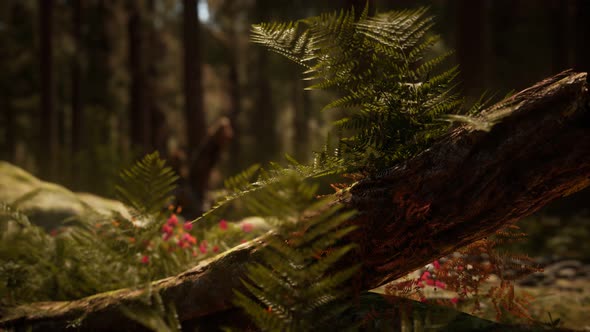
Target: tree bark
[[465, 187], [139, 108], [471, 46], [193, 91], [48, 117], [77, 119]]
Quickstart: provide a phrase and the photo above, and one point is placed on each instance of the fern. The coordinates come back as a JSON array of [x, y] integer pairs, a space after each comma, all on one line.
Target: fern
[[295, 285], [394, 92], [147, 185], [154, 314], [249, 185], [92, 253]]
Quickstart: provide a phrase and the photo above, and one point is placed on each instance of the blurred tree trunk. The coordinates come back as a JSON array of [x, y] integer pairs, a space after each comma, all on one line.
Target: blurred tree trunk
[[471, 43], [559, 14], [77, 119], [48, 117], [194, 112], [582, 33], [359, 6], [77, 116], [139, 117], [302, 106], [193, 86], [235, 100], [264, 119], [9, 126], [157, 120]]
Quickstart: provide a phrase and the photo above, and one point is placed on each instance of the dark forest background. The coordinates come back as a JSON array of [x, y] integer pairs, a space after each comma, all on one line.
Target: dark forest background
[[87, 86]]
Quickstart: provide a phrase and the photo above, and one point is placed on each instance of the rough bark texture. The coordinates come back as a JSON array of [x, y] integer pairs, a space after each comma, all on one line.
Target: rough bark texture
[[463, 188]]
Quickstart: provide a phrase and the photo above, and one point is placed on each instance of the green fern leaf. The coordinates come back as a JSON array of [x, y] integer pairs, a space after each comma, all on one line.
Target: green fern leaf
[[147, 185]]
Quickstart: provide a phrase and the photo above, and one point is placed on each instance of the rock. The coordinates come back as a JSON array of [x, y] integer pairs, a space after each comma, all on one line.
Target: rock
[[537, 278], [15, 182], [555, 268], [48, 204], [566, 273]]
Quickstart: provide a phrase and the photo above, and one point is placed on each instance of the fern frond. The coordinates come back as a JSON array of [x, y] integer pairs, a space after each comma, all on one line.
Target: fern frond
[[394, 91], [295, 284], [147, 185]]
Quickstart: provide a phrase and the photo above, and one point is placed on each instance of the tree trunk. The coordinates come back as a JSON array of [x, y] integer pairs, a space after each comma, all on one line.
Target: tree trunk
[[561, 48], [302, 106], [77, 119], [139, 115], [9, 127], [48, 116], [465, 187], [235, 97], [193, 90], [582, 35], [195, 120], [471, 42], [359, 6]]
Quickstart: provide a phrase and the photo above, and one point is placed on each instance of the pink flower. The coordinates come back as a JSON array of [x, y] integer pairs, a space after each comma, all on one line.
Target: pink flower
[[167, 229], [425, 275], [454, 300], [187, 226], [223, 224], [186, 237], [460, 268], [436, 265], [247, 227], [183, 244], [203, 247], [430, 282], [420, 284], [172, 221], [166, 236], [145, 259], [440, 284], [215, 248]]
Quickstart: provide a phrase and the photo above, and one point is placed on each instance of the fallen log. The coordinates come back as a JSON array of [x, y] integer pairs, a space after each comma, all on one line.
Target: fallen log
[[465, 187]]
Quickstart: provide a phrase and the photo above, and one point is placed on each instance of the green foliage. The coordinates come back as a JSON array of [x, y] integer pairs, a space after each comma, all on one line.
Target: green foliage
[[249, 186], [94, 253], [155, 314], [392, 90], [296, 284], [147, 185], [68, 264]]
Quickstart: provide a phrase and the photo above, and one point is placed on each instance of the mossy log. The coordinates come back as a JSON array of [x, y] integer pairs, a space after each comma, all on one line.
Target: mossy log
[[465, 187]]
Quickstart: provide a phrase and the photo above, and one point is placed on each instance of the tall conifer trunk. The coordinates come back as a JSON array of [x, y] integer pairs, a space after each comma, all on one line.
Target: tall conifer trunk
[[193, 90], [235, 100], [48, 117], [139, 117], [77, 119], [194, 113], [471, 39]]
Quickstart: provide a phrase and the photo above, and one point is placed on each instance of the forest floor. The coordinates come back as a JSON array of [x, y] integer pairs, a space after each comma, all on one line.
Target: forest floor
[[565, 303]]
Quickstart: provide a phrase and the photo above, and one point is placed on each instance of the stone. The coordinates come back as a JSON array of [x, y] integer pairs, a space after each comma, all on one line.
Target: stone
[[566, 273], [48, 204]]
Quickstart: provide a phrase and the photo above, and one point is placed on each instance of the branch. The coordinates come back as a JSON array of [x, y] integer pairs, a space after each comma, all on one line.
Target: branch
[[465, 187]]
